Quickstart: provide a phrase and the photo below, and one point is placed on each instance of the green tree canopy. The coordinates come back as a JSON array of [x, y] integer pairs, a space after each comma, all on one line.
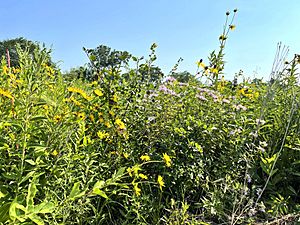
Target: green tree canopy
[[11, 45]]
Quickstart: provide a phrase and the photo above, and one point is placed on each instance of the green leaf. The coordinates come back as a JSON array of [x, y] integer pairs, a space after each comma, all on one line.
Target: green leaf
[[38, 118], [30, 174], [75, 192], [31, 194], [35, 218], [99, 184], [116, 176], [97, 191], [13, 214], [198, 147], [2, 195], [44, 207], [92, 57], [4, 212], [30, 161], [296, 173]]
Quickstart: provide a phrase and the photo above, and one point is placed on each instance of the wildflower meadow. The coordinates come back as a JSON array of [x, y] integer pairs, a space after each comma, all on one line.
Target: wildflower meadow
[[125, 144]]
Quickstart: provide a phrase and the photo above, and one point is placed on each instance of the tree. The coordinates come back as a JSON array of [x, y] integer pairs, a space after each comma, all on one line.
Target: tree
[[11, 46], [184, 76], [102, 58], [150, 73]]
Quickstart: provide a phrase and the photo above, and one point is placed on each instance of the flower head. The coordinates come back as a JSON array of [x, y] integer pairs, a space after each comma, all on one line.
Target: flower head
[[57, 118], [167, 159], [201, 64], [6, 94], [222, 37], [160, 182], [120, 124], [126, 155], [137, 190], [145, 158], [232, 27], [81, 115], [102, 134], [98, 92], [143, 176]]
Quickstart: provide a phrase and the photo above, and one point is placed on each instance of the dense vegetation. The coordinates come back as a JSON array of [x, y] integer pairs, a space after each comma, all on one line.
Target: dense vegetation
[[110, 144]]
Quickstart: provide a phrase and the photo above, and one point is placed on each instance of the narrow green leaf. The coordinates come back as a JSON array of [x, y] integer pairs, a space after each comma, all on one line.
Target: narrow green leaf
[[99, 184], [31, 194], [97, 191], [28, 175], [36, 219], [30, 161], [4, 212], [75, 192], [2, 195], [13, 211], [38, 118], [44, 207]]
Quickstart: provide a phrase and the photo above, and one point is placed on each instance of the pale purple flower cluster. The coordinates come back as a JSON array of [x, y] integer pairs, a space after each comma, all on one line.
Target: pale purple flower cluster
[[226, 101], [209, 92], [201, 97], [170, 79], [166, 90], [238, 107], [153, 95]]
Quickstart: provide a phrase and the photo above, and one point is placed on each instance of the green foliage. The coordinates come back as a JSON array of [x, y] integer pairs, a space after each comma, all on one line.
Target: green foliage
[[11, 46], [132, 148]]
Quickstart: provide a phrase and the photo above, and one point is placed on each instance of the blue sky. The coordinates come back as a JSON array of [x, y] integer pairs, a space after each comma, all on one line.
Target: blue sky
[[187, 29]]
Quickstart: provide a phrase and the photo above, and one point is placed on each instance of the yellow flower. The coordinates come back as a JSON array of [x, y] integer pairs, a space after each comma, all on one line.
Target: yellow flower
[[137, 190], [214, 70], [143, 176], [120, 124], [75, 90], [57, 118], [6, 94], [201, 64], [94, 83], [54, 153], [86, 97], [145, 158], [5, 69], [129, 171], [107, 124], [167, 159], [111, 113], [115, 98], [160, 182], [136, 169], [81, 115], [92, 118], [81, 92], [102, 135], [126, 155], [222, 38], [98, 92], [232, 27]]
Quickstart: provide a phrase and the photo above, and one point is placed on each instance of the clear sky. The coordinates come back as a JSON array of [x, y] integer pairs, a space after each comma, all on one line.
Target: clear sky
[[181, 28]]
